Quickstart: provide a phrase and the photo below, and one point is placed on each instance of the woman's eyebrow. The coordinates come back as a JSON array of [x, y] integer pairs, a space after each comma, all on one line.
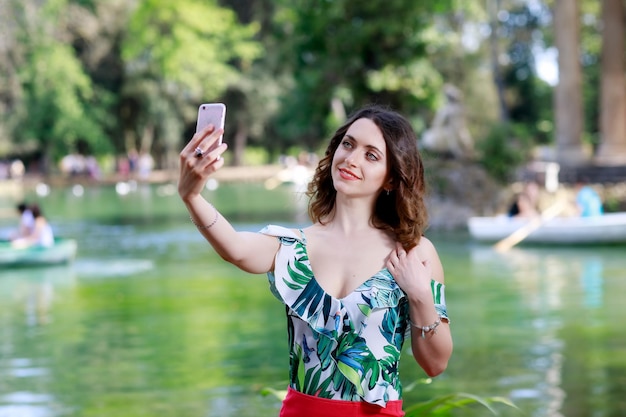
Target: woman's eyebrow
[[367, 146]]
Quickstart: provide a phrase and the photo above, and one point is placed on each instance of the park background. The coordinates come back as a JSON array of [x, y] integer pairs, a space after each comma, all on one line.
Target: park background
[[133, 326], [114, 79]]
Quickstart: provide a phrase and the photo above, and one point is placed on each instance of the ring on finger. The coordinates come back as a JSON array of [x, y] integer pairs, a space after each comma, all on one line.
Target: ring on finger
[[199, 153]]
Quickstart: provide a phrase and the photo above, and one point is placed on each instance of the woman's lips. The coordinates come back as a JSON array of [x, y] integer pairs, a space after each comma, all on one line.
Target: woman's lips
[[348, 175]]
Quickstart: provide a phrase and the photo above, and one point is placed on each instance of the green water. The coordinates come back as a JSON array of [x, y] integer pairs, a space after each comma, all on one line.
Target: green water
[[148, 321]]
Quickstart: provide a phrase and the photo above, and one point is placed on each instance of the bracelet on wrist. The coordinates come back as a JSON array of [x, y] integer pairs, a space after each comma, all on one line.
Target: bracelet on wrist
[[429, 328], [208, 226]]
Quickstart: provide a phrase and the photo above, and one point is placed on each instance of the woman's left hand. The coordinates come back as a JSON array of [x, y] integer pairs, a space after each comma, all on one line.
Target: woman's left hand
[[412, 273]]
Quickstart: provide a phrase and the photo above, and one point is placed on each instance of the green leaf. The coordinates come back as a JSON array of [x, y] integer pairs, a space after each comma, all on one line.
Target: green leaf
[[280, 394], [352, 376], [441, 406]]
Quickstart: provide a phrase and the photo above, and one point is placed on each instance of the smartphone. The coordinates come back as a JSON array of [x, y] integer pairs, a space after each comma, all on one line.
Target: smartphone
[[211, 113]]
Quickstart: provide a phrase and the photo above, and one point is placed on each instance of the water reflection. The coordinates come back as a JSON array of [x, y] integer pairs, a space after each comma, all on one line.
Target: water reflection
[[25, 404], [545, 277], [99, 268], [563, 290], [35, 288], [592, 281], [31, 292]]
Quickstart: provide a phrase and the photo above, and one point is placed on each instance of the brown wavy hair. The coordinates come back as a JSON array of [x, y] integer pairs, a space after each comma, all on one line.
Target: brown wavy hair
[[402, 210]]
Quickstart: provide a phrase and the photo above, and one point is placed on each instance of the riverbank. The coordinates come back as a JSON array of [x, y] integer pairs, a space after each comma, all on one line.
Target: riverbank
[[457, 190]]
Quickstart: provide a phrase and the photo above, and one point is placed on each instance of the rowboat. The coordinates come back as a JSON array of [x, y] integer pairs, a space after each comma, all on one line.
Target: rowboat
[[63, 251], [609, 228]]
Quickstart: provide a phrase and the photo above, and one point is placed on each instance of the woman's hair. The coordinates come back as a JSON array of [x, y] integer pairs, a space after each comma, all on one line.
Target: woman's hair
[[402, 210], [36, 210]]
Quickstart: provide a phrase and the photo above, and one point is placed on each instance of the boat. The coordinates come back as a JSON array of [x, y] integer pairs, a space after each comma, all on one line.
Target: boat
[[63, 251], [609, 228]]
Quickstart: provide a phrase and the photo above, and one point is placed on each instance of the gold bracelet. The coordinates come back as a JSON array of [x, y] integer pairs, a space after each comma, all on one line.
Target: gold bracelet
[[206, 227], [426, 329]]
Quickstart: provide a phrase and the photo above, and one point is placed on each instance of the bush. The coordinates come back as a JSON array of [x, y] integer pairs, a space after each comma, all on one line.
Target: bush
[[441, 406], [505, 148]]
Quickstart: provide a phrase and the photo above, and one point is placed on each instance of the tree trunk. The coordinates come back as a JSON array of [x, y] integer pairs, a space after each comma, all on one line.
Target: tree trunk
[[494, 6], [612, 150], [568, 103], [240, 139]]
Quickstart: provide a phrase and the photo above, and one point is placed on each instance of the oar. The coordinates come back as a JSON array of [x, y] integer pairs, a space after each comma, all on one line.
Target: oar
[[523, 232]]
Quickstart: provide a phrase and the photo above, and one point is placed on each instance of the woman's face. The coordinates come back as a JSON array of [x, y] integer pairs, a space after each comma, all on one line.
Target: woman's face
[[359, 165]]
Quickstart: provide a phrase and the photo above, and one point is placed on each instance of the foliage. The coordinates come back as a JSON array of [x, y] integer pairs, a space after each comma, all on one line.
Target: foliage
[[130, 74], [444, 405], [60, 105], [528, 98], [504, 148], [189, 45], [178, 55], [346, 53], [441, 406]]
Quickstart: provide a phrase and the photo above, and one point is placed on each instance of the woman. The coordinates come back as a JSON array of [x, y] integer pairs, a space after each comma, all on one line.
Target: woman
[[26, 222], [40, 234], [527, 202], [358, 280]]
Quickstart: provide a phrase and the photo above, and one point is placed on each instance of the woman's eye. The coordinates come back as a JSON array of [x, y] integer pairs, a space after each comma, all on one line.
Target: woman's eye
[[346, 144], [371, 156]]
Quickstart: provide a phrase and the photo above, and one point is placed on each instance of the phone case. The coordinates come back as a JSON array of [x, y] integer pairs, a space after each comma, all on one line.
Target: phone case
[[211, 113]]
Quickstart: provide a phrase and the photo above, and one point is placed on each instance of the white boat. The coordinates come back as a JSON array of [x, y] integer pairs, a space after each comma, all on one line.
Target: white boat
[[608, 228]]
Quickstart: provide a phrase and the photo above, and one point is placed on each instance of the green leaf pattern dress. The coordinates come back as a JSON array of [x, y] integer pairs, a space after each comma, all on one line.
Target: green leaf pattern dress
[[348, 348]]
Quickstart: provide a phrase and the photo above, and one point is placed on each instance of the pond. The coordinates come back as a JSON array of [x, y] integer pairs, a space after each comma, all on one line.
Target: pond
[[149, 321]]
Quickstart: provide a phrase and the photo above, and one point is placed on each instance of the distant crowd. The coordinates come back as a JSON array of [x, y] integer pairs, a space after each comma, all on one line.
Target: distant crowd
[[11, 169], [136, 165]]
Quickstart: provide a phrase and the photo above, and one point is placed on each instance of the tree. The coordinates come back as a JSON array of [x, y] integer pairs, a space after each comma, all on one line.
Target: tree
[[55, 103], [352, 52], [177, 55]]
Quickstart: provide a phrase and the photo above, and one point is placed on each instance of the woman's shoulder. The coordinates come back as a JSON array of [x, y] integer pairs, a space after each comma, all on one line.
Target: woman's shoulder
[[282, 232], [426, 243], [426, 248], [428, 252]]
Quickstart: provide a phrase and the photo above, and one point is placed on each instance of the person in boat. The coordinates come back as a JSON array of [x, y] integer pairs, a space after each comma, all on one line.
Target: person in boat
[[526, 203], [588, 201], [41, 233], [358, 281], [26, 222]]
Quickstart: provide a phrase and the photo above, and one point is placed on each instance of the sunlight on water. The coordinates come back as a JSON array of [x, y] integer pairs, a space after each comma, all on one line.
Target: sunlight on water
[[26, 404], [95, 268]]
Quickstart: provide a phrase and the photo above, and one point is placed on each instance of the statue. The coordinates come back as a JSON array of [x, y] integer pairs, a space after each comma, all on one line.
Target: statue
[[449, 133]]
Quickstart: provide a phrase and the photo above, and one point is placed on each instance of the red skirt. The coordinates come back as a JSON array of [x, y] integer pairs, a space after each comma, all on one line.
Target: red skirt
[[297, 404]]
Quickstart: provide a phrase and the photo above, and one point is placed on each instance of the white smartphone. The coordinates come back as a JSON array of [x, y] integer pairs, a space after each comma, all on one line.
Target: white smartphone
[[211, 113]]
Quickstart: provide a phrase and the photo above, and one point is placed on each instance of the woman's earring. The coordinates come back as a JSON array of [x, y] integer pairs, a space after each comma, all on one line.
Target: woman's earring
[[388, 192]]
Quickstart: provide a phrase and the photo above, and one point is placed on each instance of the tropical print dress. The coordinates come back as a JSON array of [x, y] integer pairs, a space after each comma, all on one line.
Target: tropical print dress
[[348, 348]]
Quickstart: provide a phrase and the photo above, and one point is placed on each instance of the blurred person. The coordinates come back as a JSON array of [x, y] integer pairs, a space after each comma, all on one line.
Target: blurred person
[[26, 222], [17, 169], [588, 201], [358, 281], [526, 203], [41, 233], [145, 165]]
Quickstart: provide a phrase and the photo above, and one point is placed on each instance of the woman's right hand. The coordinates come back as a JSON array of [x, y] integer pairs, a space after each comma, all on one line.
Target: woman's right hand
[[195, 170]]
